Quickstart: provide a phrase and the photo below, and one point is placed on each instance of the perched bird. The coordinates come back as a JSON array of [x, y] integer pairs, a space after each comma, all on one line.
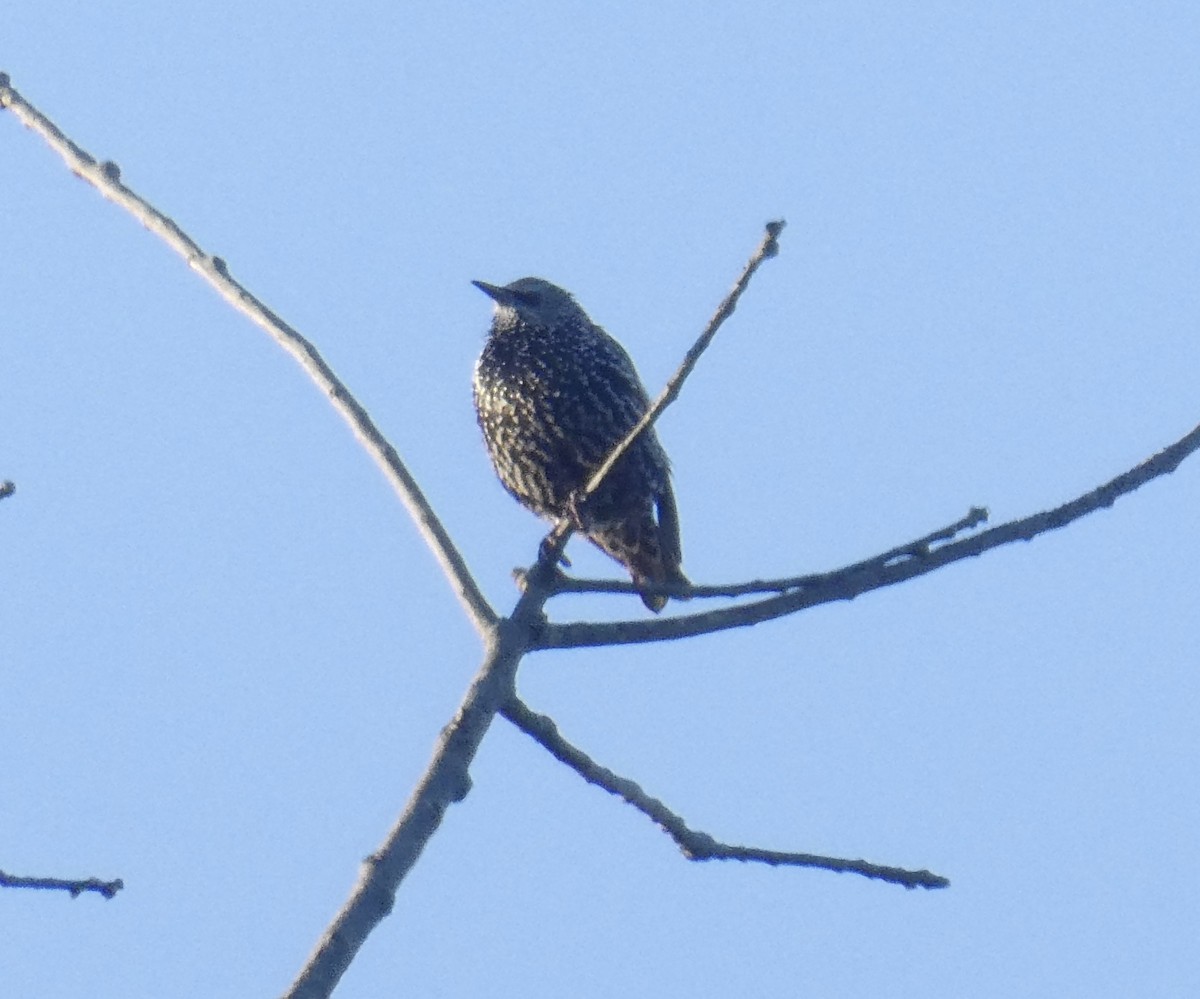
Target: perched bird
[[555, 394]]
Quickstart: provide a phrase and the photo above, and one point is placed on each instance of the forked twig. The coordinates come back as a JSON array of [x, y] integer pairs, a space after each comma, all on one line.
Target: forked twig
[[892, 567]]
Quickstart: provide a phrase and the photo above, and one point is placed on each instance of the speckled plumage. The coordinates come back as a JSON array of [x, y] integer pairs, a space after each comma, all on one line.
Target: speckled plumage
[[554, 394]]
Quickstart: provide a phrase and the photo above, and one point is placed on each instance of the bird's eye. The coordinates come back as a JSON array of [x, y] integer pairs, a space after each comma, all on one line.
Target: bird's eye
[[530, 298]]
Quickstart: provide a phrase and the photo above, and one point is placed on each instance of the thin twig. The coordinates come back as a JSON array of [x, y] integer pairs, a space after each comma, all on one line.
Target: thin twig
[[913, 549], [769, 247], [106, 178], [694, 845], [556, 540]]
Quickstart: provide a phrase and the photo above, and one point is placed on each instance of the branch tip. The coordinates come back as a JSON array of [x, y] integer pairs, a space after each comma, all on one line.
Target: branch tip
[[771, 245]]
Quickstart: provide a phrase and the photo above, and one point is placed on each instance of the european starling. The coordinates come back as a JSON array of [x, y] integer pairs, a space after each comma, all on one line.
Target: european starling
[[555, 394]]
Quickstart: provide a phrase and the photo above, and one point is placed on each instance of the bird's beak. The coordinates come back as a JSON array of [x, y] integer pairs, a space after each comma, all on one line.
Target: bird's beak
[[501, 296]]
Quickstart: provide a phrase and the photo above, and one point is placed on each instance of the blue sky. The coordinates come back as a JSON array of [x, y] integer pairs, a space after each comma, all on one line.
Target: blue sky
[[227, 654]]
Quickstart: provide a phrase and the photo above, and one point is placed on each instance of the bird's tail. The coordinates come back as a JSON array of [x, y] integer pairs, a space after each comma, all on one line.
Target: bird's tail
[[649, 549]]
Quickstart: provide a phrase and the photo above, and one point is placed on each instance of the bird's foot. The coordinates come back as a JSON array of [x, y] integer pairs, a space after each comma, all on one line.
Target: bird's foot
[[577, 510]]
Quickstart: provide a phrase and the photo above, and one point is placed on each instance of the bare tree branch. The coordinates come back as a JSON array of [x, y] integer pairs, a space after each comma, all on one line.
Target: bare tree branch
[[872, 574], [106, 178], [76, 888], [694, 845]]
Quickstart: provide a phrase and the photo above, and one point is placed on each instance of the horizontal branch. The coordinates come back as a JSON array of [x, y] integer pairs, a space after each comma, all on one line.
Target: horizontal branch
[[888, 569], [74, 887], [694, 845]]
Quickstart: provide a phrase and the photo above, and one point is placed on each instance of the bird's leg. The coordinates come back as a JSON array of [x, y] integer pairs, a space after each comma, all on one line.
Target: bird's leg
[[577, 510]]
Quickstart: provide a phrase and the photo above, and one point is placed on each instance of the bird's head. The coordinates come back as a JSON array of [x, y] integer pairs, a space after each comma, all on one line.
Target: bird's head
[[534, 301]]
